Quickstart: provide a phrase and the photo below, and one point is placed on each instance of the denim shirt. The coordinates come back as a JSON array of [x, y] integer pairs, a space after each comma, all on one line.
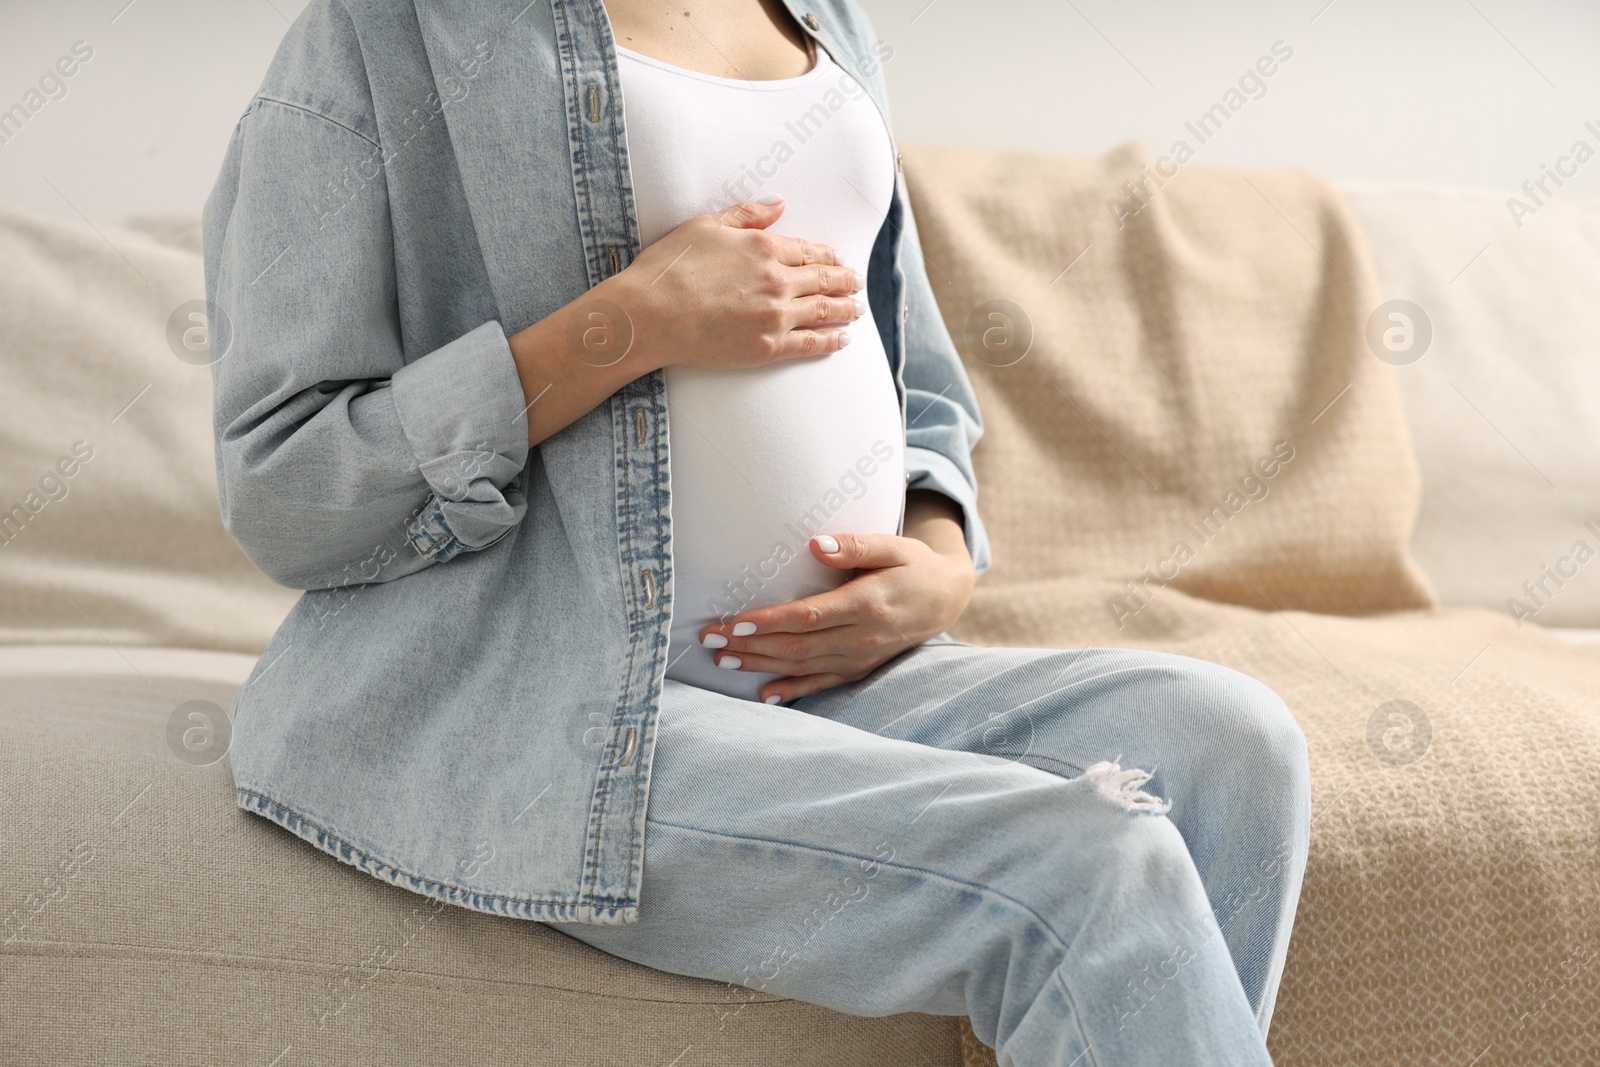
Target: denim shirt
[[464, 700]]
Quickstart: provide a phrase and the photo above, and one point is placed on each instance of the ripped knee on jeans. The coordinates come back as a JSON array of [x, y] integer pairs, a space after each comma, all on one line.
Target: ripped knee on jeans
[[1123, 786]]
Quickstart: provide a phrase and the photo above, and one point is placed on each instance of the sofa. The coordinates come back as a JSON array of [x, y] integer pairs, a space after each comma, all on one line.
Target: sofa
[[1345, 438]]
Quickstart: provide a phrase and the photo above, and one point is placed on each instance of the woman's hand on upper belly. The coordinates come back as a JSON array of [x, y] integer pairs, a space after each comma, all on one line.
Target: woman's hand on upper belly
[[722, 292], [904, 592]]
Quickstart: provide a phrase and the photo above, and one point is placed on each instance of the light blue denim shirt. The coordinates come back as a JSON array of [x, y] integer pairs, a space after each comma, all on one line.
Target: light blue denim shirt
[[464, 701]]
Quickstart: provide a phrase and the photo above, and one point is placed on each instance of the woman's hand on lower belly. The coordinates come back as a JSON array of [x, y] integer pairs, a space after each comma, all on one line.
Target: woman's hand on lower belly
[[905, 591]]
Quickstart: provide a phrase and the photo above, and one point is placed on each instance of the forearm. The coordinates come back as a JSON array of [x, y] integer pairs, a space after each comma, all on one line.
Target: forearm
[[567, 360]]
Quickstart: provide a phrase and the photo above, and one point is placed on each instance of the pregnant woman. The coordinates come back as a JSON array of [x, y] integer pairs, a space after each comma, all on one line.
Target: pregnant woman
[[581, 365]]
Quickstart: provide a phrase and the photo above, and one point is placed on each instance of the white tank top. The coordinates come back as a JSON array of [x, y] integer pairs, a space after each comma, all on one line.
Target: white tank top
[[763, 458]]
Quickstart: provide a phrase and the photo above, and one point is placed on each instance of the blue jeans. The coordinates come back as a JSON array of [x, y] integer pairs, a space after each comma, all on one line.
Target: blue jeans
[[937, 838]]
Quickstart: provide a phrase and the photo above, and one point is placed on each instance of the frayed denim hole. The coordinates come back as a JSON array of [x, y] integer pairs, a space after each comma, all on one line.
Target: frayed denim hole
[[1122, 786]]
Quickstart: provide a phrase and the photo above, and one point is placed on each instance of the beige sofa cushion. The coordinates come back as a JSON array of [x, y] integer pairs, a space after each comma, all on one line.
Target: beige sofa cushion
[[1504, 405], [146, 919], [111, 533], [1196, 409]]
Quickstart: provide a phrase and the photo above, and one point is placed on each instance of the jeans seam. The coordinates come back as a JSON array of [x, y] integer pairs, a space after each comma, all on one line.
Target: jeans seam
[[1077, 1018], [1019, 757], [902, 868]]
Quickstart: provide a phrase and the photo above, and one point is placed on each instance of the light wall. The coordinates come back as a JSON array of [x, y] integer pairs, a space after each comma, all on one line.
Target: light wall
[[1465, 92]]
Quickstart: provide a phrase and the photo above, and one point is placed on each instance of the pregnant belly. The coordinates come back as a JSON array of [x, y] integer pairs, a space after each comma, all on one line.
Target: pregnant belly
[[762, 459]]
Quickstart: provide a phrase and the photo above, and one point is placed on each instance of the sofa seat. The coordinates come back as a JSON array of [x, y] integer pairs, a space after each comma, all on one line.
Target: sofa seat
[[150, 921]]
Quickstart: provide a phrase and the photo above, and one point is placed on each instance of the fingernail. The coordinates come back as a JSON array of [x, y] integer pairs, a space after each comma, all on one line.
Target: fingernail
[[714, 641], [729, 662], [844, 338], [773, 699], [826, 543], [769, 199], [860, 306], [838, 258], [743, 629], [857, 283]]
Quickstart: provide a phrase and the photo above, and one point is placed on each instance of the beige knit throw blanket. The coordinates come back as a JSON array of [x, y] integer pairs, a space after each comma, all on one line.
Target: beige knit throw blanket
[[1191, 447]]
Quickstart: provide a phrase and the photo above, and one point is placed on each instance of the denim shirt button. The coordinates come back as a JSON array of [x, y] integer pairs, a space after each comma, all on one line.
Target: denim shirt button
[[811, 20]]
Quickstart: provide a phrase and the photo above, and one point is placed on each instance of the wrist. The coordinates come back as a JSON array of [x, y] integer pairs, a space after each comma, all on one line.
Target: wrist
[[634, 325], [935, 519]]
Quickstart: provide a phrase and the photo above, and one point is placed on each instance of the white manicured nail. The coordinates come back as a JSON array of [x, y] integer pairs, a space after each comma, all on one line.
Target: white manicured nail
[[826, 543], [860, 305], [743, 629], [769, 199], [773, 699], [844, 338], [857, 282], [729, 662], [714, 641]]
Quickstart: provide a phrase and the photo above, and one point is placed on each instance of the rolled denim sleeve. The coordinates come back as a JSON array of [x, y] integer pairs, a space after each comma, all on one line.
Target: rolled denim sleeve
[[339, 458], [456, 411]]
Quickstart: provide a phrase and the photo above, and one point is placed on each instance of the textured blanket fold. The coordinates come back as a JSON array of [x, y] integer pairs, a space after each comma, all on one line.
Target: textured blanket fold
[[1190, 446]]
